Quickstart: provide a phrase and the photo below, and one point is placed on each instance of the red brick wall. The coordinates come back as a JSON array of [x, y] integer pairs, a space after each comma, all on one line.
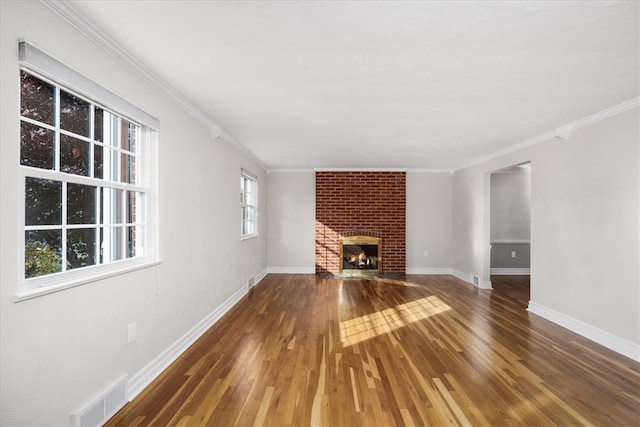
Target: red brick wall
[[358, 202]]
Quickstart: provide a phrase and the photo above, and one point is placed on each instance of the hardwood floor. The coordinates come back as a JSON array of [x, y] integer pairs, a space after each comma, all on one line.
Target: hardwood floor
[[427, 350]]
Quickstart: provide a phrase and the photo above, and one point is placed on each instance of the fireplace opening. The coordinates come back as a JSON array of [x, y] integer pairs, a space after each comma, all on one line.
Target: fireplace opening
[[360, 255]]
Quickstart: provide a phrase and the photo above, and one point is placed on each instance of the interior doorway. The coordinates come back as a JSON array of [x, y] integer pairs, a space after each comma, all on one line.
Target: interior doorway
[[510, 224]]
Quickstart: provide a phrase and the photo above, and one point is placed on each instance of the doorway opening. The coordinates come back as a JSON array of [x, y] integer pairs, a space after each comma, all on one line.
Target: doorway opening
[[510, 223]]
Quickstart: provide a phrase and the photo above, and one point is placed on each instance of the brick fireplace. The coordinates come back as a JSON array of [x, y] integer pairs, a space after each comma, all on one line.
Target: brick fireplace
[[360, 203]]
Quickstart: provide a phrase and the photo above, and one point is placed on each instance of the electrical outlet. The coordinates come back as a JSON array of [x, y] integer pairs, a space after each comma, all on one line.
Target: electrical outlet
[[131, 333], [426, 253], [513, 254]]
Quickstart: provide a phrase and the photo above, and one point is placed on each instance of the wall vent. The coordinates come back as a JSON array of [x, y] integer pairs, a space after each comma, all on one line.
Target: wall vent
[[104, 407]]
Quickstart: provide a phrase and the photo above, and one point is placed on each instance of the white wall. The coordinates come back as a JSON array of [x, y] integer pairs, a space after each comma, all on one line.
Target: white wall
[[511, 205], [429, 222], [585, 228], [291, 222], [471, 217], [59, 351]]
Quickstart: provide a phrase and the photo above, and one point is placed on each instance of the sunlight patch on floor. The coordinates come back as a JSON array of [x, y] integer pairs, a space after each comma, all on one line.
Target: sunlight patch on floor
[[382, 322]]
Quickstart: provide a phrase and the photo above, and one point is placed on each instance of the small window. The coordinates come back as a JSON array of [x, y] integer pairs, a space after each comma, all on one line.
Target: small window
[[248, 204]]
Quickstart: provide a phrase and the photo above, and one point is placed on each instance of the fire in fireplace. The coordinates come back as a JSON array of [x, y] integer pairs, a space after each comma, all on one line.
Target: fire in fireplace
[[360, 255]]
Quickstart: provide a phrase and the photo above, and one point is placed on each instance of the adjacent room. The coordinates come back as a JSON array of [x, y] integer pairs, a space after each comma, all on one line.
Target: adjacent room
[[311, 213]]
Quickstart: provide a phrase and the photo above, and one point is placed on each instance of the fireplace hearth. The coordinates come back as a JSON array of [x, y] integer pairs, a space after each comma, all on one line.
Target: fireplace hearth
[[360, 255]]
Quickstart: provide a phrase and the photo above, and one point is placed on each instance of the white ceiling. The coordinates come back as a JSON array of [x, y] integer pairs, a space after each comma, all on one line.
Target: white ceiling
[[426, 85]]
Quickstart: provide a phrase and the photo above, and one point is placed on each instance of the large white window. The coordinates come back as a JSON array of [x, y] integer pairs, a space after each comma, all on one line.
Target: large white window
[[248, 204], [87, 179]]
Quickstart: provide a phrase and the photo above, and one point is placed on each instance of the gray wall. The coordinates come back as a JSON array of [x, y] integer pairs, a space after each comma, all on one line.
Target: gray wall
[[502, 256]]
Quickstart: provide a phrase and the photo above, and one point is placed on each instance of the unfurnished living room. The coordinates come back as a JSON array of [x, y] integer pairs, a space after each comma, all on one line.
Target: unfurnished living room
[[319, 213]]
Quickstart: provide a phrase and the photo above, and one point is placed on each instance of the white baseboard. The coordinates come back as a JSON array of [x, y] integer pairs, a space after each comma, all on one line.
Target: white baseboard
[[312, 270], [510, 272], [146, 375], [612, 342], [473, 279], [292, 270], [418, 270]]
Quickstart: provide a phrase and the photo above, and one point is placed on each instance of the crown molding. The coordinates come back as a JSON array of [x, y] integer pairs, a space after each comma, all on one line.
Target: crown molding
[[605, 114], [360, 169], [562, 132], [407, 170], [269, 171], [311, 170], [447, 171], [67, 12]]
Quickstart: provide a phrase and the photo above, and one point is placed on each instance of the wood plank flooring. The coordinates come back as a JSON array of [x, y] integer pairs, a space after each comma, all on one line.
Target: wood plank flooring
[[303, 350]]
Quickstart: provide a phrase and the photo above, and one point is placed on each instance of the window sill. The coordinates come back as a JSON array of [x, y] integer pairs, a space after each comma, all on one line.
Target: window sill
[[249, 236], [49, 285]]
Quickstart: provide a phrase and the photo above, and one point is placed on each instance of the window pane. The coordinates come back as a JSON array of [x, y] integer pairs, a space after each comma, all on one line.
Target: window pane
[[74, 155], [127, 168], [132, 235], [36, 99], [98, 124], [81, 247], [36, 146], [102, 245], [43, 202], [110, 129], [98, 161], [112, 206], [111, 244], [116, 238], [81, 204], [108, 166], [112, 174], [42, 253], [74, 114], [132, 198], [140, 208], [128, 135]]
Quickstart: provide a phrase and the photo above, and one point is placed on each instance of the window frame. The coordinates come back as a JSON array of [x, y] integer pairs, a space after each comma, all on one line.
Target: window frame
[[62, 78], [248, 206]]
